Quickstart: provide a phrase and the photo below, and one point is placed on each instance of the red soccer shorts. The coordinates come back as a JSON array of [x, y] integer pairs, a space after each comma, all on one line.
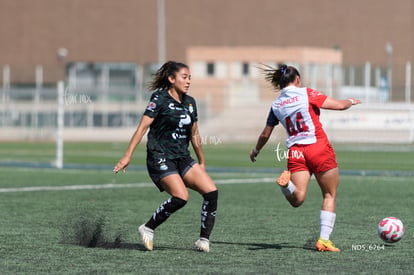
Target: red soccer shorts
[[315, 158]]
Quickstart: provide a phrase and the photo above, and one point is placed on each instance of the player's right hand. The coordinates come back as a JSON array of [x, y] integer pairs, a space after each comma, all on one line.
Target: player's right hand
[[121, 165], [253, 155]]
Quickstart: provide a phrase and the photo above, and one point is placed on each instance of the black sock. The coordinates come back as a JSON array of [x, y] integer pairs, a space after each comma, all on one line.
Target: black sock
[[164, 211], [208, 213]]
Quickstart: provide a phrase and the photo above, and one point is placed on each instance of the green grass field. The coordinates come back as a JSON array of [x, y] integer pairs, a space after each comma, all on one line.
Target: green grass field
[[256, 231]]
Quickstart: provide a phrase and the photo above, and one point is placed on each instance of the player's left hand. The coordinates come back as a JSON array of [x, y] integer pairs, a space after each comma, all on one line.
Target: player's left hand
[[354, 101]]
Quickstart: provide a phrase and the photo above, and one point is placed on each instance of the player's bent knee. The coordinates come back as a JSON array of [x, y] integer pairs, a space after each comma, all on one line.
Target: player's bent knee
[[296, 202], [178, 202], [182, 194]]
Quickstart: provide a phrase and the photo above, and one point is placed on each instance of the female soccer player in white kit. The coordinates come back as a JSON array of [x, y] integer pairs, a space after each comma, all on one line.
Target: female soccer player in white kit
[[298, 109]]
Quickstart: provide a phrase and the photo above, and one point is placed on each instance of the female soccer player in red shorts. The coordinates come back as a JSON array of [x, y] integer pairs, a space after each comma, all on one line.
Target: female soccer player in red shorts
[[298, 109]]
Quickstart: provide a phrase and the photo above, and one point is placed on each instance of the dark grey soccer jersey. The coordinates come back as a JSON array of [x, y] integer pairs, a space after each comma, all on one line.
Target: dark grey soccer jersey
[[170, 132]]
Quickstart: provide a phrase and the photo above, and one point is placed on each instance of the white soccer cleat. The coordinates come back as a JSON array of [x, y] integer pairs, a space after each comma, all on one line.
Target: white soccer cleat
[[147, 236], [202, 245]]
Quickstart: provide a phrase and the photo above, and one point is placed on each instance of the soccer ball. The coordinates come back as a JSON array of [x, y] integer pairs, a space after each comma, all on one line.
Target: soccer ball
[[391, 229]]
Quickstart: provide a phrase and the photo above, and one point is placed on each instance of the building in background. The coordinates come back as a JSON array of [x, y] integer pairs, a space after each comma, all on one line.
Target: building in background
[[231, 76], [110, 31], [106, 51]]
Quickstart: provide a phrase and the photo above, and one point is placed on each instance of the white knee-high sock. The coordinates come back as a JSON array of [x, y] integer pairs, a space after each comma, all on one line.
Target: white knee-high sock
[[288, 190], [327, 223]]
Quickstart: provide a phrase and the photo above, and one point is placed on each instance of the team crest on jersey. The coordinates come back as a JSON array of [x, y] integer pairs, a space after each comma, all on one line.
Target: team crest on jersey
[[190, 108], [151, 106]]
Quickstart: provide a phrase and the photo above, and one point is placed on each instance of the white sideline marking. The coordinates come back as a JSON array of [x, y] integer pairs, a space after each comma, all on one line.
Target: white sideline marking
[[119, 185]]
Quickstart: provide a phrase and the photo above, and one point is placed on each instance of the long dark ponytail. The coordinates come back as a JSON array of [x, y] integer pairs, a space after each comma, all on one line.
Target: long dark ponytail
[[281, 76]]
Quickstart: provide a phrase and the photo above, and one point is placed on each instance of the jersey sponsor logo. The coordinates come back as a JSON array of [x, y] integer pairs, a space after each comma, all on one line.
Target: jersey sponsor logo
[[288, 101], [173, 107], [180, 133], [185, 120], [178, 136]]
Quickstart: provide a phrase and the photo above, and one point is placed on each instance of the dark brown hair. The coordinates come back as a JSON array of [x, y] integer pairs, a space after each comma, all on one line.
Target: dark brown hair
[[160, 81], [281, 76]]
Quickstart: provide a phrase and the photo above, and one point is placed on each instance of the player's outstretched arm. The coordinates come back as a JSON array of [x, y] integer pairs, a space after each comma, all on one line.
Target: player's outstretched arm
[[335, 104], [142, 128]]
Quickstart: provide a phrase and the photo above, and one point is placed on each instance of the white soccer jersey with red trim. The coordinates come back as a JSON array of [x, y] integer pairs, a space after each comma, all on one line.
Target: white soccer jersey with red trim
[[298, 109]]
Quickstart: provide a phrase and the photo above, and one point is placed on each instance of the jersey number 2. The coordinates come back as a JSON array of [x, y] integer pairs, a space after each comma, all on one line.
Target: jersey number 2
[[300, 126]]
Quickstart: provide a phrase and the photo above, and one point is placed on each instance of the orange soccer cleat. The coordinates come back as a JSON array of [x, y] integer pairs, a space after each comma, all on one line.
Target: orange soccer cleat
[[284, 179], [326, 245]]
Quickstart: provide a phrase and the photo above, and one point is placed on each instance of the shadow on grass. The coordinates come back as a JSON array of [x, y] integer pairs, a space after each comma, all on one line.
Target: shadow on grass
[[309, 245], [112, 245], [258, 246], [126, 246], [249, 246], [141, 247], [132, 246]]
